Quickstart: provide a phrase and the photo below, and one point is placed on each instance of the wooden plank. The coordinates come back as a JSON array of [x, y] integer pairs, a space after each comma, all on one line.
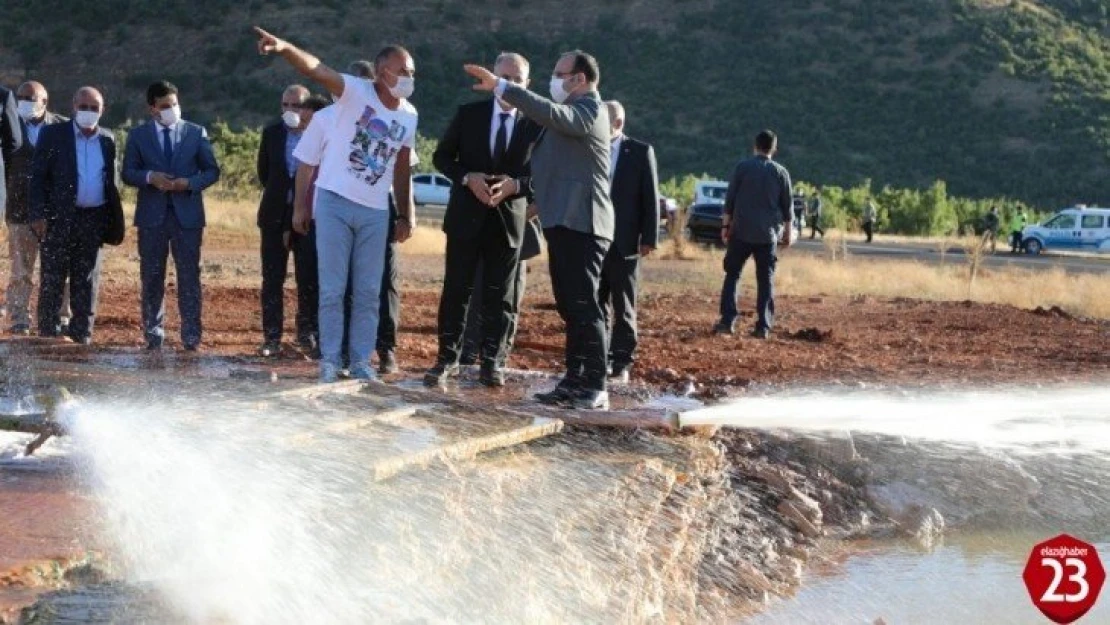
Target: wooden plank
[[388, 417], [464, 449]]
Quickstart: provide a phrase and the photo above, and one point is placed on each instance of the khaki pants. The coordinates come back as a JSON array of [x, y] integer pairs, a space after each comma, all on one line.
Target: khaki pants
[[23, 250]]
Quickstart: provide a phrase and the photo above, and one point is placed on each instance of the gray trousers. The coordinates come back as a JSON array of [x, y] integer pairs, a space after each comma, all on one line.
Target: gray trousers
[[23, 250]]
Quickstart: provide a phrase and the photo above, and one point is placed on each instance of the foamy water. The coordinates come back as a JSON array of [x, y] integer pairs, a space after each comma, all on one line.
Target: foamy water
[[1059, 419]]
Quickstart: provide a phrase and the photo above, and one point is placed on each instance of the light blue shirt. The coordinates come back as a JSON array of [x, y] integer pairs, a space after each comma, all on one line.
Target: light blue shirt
[[90, 170], [291, 141], [33, 131]]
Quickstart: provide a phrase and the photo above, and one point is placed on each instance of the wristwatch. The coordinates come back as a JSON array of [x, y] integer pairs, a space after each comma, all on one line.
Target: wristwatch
[[465, 179]]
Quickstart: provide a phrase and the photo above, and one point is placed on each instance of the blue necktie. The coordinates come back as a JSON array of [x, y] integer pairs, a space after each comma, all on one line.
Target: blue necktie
[[167, 148]]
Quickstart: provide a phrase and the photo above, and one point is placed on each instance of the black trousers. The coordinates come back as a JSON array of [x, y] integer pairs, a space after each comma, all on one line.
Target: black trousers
[[620, 277], [472, 341], [869, 229], [275, 261], [765, 260], [574, 261], [815, 224], [498, 299], [70, 252]]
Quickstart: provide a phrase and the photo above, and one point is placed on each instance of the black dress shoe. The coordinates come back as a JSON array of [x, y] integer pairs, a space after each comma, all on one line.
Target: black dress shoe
[[153, 345], [491, 375], [387, 363], [468, 358], [587, 399], [761, 333], [438, 374], [192, 347], [562, 393], [724, 328], [270, 349]]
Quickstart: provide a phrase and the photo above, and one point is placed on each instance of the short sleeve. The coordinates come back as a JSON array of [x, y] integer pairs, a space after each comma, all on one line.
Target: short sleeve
[[354, 92], [310, 148]]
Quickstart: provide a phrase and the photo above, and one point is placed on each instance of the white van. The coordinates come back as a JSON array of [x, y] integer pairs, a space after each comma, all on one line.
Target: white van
[[1079, 228], [710, 192]]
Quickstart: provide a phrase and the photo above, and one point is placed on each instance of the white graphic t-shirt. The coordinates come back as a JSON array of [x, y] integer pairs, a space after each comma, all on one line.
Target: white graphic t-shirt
[[361, 148]]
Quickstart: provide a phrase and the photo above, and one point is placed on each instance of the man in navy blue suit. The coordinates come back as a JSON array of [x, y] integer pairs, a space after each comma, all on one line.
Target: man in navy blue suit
[[171, 162], [72, 194]]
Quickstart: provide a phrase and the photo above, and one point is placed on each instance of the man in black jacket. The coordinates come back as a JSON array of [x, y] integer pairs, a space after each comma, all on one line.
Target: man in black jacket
[[23, 245], [276, 168], [758, 214], [634, 191], [73, 193], [486, 143]]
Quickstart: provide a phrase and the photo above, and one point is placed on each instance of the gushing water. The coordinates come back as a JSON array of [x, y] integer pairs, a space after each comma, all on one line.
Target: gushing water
[[234, 519], [1067, 419]]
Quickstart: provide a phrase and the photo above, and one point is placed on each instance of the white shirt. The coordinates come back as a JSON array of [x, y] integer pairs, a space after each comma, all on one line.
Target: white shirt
[[310, 149], [495, 123], [614, 155], [360, 148]]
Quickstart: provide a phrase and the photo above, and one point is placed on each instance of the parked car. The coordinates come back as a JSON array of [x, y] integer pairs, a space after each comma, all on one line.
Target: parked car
[[667, 208], [431, 189], [710, 192], [1079, 228], [704, 222]]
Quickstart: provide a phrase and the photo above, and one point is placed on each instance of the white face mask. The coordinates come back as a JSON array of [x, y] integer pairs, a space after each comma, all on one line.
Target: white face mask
[[30, 110], [170, 116], [558, 92], [292, 119], [404, 87], [87, 119]]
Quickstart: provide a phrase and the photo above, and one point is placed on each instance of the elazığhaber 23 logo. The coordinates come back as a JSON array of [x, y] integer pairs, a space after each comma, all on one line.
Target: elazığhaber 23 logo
[[1064, 577]]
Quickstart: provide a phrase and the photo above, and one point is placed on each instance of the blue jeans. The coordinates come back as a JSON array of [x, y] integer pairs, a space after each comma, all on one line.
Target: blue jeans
[[350, 241], [765, 258]]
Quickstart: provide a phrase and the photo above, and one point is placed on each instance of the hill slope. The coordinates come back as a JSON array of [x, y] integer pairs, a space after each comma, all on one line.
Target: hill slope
[[998, 97]]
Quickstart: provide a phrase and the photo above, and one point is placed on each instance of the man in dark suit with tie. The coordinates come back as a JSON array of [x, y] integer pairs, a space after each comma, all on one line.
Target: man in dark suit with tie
[[276, 168], [570, 180], [73, 193], [635, 195], [485, 152], [23, 244], [171, 162]]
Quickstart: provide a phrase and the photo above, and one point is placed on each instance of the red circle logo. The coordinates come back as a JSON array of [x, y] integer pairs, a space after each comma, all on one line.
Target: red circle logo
[[1064, 577]]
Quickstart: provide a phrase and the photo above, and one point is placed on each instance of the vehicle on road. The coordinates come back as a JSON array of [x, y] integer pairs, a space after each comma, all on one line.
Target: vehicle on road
[[431, 189], [710, 192], [704, 222], [1080, 229]]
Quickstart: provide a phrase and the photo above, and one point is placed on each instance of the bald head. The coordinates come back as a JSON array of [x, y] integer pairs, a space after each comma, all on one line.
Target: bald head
[[88, 106], [298, 93], [32, 100], [616, 117]]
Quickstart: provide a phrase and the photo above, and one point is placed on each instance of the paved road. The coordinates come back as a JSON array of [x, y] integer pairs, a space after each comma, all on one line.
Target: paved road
[[924, 252]]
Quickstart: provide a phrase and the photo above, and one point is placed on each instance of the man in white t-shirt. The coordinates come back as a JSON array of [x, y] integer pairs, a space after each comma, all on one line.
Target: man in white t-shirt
[[366, 151]]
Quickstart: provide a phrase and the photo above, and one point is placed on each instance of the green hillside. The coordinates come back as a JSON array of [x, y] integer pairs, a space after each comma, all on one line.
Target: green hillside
[[996, 97]]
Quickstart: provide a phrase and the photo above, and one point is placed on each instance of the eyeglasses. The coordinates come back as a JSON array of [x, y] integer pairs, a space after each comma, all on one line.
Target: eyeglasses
[[89, 107], [292, 105], [516, 80], [28, 98], [564, 74]]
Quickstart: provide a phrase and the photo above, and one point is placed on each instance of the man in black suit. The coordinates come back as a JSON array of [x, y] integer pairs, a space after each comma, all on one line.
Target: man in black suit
[[73, 194], [634, 191], [486, 153], [23, 245], [276, 168]]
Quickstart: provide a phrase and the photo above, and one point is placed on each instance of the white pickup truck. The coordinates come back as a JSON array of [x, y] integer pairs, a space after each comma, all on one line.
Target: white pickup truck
[[1079, 229]]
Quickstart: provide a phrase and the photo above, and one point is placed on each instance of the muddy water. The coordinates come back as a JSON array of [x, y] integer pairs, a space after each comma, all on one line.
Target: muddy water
[[970, 578]]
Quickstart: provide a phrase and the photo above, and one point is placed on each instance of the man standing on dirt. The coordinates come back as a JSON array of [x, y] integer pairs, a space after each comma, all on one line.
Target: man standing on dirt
[[73, 196], [486, 143], [276, 168], [23, 244], [171, 162], [570, 177], [367, 151], [635, 194], [758, 213]]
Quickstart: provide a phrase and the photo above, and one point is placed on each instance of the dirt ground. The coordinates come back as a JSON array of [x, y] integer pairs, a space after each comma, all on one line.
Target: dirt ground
[[825, 340]]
